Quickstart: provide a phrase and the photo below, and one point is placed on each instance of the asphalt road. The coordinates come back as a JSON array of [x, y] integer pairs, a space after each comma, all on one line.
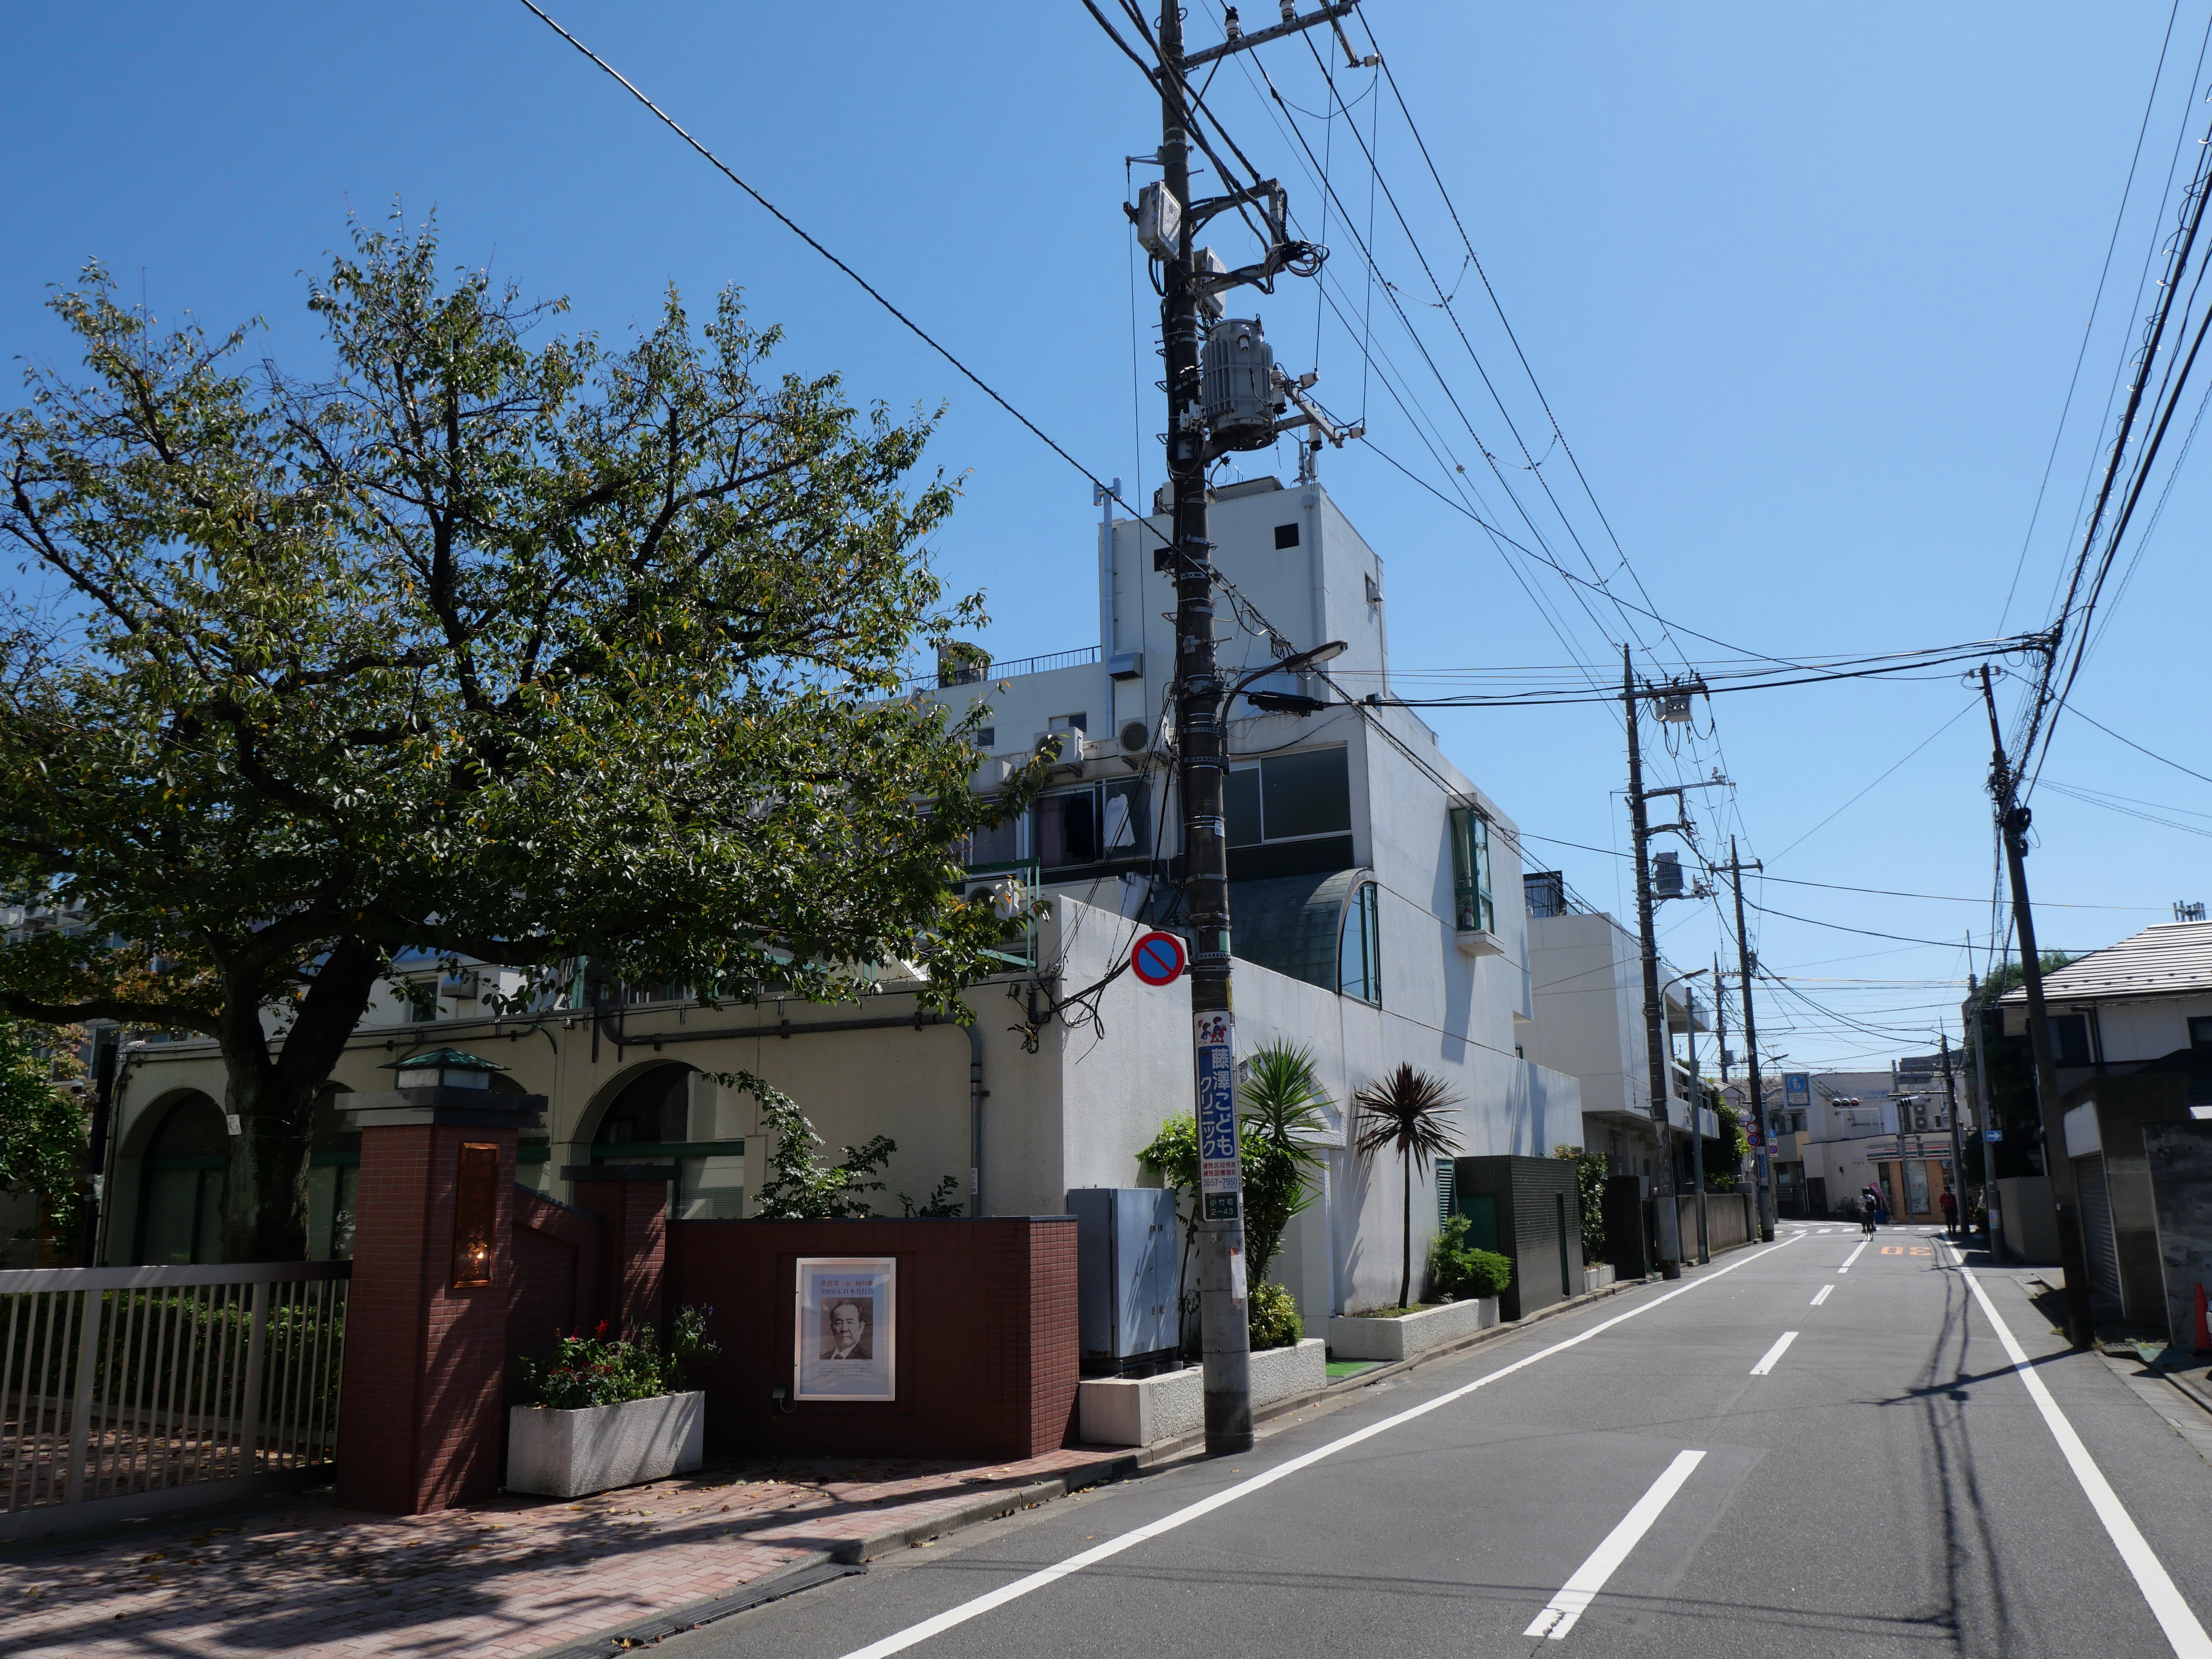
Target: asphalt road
[[1887, 1483]]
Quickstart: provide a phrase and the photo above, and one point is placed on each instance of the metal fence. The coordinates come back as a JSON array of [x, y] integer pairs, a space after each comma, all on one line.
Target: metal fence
[[120, 1382]]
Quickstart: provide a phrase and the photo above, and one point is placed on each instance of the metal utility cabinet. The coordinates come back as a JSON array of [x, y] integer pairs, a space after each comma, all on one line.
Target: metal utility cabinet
[[1531, 1209], [1125, 1251]]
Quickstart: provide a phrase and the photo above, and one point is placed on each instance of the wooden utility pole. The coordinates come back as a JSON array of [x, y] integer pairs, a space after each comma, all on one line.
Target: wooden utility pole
[[1958, 1151], [1763, 1165], [2012, 820], [1655, 1042]]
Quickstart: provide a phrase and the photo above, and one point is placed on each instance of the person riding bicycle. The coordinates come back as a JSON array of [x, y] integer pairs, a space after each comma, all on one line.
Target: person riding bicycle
[[1870, 1197], [1868, 1212]]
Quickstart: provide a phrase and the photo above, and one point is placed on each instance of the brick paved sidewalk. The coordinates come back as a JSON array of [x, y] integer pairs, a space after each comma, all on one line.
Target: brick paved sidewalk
[[497, 1580]]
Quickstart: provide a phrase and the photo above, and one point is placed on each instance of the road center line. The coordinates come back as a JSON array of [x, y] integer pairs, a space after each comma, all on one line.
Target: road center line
[[1823, 1296], [1575, 1596], [1854, 1255], [1767, 1362], [899, 1640], [2183, 1632]]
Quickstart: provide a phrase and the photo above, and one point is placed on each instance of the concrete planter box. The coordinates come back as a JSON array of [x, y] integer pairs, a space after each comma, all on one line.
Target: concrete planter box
[[1412, 1333], [568, 1453], [1597, 1278], [1117, 1412]]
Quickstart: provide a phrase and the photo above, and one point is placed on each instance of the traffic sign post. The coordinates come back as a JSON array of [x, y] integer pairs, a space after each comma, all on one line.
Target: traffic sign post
[[1158, 958]]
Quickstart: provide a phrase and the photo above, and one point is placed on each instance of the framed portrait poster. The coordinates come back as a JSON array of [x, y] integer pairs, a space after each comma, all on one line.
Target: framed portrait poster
[[845, 1336]]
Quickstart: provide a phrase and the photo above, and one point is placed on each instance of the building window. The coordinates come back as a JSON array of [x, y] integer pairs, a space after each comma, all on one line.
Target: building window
[[2200, 1033], [421, 1000], [1472, 910], [1289, 798], [1797, 1123], [997, 844], [1095, 824], [987, 737], [2070, 1039], [1286, 536], [1360, 949], [649, 1123], [180, 1186]]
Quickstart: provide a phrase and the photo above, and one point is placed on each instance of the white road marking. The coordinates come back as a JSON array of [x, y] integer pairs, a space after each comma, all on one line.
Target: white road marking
[[899, 1640], [1575, 1596], [1854, 1255], [1766, 1361], [2182, 1631], [1823, 1296]]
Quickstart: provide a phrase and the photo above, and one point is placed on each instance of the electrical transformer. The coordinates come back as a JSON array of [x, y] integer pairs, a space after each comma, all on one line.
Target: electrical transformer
[[1237, 385]]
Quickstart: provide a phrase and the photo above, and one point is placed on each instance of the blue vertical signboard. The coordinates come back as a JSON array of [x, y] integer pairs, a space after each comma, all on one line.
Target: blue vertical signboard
[[1219, 1178]]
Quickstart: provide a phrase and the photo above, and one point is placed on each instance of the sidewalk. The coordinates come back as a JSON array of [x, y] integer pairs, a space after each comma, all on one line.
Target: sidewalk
[[498, 1580]]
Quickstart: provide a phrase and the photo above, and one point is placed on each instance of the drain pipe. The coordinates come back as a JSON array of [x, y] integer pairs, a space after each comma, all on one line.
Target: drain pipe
[[917, 1020]]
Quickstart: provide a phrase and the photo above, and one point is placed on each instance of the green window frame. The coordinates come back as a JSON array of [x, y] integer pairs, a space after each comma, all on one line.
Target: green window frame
[[1473, 910]]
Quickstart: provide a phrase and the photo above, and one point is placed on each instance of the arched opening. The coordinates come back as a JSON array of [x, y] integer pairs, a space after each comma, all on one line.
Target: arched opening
[[1359, 946], [652, 1121], [180, 1186]]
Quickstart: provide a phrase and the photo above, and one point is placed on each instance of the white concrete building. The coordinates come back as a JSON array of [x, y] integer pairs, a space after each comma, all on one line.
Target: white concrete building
[[1366, 925], [1586, 984]]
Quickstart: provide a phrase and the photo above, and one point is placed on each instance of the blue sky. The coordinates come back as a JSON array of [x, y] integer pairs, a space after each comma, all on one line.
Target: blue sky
[[1803, 286]]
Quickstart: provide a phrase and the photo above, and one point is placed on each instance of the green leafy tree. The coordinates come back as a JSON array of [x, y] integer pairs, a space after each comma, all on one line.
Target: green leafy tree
[[1280, 1127], [42, 1126], [485, 642], [800, 1186], [1724, 1153], [1172, 1155], [1406, 1112]]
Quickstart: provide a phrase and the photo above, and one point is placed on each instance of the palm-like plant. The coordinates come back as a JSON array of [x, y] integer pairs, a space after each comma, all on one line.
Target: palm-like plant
[[1405, 1111], [1282, 1101]]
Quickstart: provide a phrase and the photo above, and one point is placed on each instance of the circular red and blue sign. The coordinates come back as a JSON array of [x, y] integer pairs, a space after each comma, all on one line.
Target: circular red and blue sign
[[1158, 958]]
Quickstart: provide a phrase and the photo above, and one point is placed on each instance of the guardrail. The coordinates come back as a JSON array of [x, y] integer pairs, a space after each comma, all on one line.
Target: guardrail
[[121, 1383]]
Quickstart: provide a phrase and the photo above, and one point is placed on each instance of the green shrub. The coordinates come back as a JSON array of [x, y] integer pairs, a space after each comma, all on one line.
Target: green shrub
[[1274, 1318], [602, 1370], [1460, 1270], [1590, 1171]]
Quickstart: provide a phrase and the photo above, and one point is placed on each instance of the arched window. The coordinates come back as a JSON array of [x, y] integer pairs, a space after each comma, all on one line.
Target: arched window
[[650, 1122], [180, 1186], [1360, 947]]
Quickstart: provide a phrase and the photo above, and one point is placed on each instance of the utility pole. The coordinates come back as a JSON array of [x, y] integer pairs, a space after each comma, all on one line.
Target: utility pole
[[1653, 1043], [1763, 1180], [1640, 834], [2012, 820], [1994, 1224], [1167, 223], [1957, 1150], [1697, 1116]]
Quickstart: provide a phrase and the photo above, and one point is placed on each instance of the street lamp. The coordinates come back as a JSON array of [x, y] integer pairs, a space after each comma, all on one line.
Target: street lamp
[[1290, 702], [1697, 1138]]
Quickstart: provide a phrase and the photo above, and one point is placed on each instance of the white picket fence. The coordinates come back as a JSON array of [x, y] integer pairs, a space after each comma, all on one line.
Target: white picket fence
[[125, 1390]]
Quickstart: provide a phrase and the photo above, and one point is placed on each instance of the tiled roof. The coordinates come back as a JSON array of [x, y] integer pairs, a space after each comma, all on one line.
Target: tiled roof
[[2172, 959]]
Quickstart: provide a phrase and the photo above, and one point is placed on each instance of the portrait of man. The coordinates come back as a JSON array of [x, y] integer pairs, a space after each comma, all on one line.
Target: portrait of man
[[845, 1329], [845, 1334]]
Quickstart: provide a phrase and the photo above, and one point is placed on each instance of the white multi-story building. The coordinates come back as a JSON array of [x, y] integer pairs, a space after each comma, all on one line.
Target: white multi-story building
[[1366, 871], [1586, 974]]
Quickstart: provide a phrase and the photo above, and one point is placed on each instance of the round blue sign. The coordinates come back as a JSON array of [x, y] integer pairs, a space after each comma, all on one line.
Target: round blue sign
[[1158, 958]]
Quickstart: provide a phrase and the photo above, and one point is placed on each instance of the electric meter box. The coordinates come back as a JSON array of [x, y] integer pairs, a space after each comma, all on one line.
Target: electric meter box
[[1159, 221], [1125, 1277]]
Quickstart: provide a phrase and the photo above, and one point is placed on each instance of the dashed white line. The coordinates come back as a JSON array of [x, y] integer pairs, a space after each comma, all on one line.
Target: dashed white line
[[2182, 1631], [1823, 1296], [1854, 1255], [1766, 1361], [899, 1640], [1561, 1613]]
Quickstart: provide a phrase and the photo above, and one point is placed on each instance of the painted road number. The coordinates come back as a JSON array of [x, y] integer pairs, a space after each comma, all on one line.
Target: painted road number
[[1893, 1249]]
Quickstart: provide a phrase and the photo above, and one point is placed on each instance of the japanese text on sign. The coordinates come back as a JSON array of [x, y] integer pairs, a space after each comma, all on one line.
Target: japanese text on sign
[[1219, 1177]]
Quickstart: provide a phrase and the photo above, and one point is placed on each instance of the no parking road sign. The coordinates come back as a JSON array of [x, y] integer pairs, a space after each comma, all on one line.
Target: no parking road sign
[[1158, 958]]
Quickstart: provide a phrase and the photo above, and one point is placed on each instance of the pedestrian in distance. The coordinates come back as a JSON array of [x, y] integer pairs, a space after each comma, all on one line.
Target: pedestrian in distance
[[1950, 1203], [1870, 1195]]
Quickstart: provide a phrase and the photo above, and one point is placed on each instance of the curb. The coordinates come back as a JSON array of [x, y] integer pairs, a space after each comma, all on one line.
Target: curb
[[996, 1506]]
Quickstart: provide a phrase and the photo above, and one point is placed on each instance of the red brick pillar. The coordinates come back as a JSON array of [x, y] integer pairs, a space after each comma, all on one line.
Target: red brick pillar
[[421, 1410], [631, 1201]]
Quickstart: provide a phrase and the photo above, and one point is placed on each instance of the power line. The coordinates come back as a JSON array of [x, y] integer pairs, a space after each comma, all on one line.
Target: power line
[[2089, 327], [2138, 748]]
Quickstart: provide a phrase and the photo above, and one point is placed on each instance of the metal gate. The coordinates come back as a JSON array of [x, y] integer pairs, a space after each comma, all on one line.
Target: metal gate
[[2097, 1240], [125, 1390]]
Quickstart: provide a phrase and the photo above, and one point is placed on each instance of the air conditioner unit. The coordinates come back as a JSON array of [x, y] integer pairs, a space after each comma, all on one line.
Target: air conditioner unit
[[1135, 736]]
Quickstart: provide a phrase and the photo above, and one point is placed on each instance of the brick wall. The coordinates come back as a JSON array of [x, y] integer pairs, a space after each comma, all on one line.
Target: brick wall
[[633, 1216], [424, 1393], [557, 1275], [987, 1347]]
